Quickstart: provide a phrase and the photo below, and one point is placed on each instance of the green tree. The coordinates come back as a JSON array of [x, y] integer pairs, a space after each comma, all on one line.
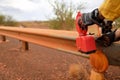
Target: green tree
[[6, 20], [2, 19], [9, 21], [63, 15]]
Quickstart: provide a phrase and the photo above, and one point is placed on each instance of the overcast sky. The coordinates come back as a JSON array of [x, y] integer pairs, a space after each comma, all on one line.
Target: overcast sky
[[24, 10]]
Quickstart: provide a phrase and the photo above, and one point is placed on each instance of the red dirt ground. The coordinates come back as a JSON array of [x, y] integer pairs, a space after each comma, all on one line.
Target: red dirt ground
[[40, 63]]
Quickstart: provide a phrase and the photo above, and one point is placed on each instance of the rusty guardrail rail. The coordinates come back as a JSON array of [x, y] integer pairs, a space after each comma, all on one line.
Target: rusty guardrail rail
[[56, 39]]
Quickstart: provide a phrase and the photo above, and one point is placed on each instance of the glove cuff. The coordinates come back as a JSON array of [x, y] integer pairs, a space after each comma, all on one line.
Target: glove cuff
[[111, 36], [107, 39]]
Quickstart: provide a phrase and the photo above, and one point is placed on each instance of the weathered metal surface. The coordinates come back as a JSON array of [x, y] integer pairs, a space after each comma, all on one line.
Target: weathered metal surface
[[56, 39]]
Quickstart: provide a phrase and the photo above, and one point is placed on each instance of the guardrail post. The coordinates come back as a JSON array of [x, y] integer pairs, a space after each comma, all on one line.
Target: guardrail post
[[3, 38], [25, 46]]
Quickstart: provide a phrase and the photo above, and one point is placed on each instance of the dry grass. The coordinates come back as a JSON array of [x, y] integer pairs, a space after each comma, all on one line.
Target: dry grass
[[35, 24]]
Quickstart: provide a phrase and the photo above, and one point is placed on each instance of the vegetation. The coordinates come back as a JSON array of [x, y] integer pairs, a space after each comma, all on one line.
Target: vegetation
[[35, 24], [117, 23], [7, 20], [64, 18]]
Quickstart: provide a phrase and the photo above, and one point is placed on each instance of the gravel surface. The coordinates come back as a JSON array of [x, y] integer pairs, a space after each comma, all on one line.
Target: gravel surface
[[40, 63]]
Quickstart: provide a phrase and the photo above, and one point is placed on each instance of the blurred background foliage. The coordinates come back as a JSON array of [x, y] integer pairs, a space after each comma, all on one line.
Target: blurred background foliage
[[6, 20], [64, 15], [117, 23]]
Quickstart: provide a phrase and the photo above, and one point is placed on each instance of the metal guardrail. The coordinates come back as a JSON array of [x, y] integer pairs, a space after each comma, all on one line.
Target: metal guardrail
[[56, 39]]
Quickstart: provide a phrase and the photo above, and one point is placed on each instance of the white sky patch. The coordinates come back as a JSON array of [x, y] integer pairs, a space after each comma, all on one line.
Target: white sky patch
[[91, 4], [38, 9], [24, 5]]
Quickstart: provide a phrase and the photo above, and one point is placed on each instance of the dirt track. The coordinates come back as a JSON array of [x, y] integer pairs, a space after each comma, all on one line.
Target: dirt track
[[40, 63]]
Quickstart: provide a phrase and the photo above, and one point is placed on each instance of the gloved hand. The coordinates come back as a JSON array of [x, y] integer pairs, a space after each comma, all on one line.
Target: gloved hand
[[106, 26], [107, 39], [90, 18], [94, 17]]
